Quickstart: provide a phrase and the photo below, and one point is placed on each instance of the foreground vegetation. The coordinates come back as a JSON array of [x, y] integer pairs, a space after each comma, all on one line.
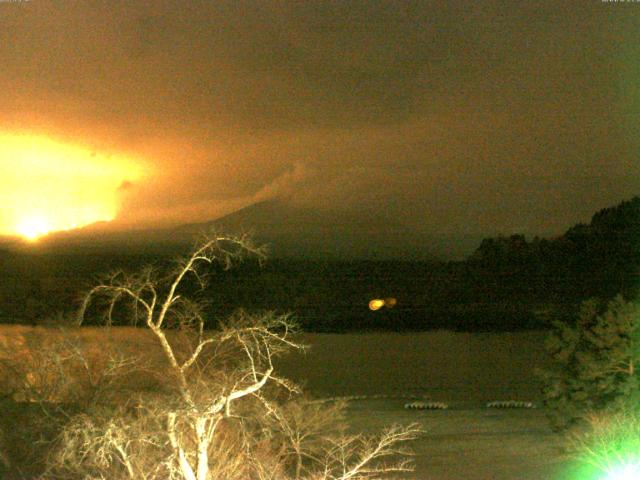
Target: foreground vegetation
[[218, 408], [441, 366]]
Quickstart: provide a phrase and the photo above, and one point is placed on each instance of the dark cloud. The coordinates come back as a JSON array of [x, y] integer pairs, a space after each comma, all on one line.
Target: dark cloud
[[451, 116]]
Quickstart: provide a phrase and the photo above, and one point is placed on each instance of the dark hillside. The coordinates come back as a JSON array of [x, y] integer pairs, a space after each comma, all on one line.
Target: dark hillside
[[599, 259]]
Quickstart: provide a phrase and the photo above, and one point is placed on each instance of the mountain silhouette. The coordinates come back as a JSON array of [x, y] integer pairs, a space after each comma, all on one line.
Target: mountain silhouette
[[287, 230], [292, 231]]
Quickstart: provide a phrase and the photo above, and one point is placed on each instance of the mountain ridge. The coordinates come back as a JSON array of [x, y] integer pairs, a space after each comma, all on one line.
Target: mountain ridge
[[289, 231]]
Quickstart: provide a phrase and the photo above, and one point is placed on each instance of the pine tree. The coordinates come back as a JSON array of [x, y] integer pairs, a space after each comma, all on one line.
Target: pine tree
[[594, 361]]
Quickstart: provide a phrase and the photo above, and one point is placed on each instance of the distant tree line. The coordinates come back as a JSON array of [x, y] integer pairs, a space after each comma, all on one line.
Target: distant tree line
[[508, 283], [601, 259]]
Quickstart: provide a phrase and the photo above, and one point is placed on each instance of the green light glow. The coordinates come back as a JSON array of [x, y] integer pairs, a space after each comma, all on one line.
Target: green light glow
[[609, 446], [629, 471]]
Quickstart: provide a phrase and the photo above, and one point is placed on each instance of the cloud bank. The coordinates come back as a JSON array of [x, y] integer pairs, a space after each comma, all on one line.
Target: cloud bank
[[454, 117]]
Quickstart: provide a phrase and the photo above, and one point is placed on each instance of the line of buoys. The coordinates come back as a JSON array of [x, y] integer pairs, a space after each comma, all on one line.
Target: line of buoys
[[421, 403], [426, 406], [510, 404]]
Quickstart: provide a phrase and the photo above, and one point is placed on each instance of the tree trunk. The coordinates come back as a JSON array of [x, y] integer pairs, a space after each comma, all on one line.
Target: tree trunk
[[203, 449]]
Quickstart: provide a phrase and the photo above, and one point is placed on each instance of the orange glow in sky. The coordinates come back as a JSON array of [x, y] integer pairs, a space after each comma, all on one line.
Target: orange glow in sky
[[46, 186]]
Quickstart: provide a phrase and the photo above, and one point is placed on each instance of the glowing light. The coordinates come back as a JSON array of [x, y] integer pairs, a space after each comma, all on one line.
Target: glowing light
[[49, 186], [390, 302], [33, 228], [630, 471], [376, 304]]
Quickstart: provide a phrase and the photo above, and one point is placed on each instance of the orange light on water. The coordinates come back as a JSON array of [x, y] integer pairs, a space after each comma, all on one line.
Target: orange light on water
[[47, 186], [376, 304]]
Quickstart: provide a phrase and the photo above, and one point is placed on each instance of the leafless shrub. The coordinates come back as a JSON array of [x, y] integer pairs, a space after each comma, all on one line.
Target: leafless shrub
[[67, 370], [363, 457]]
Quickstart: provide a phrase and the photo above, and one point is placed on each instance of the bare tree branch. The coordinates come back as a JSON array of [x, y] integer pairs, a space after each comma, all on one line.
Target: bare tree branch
[[222, 384]]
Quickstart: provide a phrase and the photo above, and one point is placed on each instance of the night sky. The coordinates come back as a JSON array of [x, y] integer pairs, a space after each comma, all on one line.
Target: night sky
[[455, 117]]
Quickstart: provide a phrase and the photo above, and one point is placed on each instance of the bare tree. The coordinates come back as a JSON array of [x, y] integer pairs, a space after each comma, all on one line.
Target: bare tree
[[222, 395]]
